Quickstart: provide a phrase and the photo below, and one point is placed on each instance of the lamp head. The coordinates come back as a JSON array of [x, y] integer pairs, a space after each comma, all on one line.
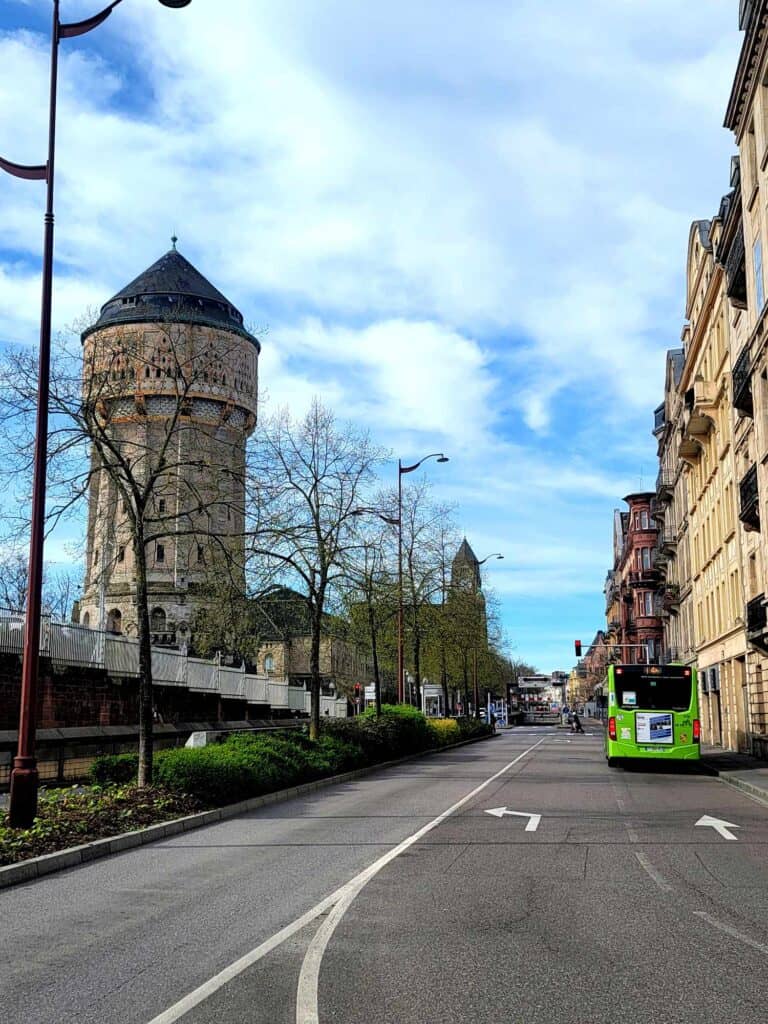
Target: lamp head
[[176, 3], [443, 458]]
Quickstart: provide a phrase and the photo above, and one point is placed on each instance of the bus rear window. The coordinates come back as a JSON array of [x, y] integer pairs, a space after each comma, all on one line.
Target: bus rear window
[[671, 694]]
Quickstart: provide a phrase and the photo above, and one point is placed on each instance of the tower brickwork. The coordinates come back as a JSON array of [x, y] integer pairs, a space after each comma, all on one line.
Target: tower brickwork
[[170, 377]]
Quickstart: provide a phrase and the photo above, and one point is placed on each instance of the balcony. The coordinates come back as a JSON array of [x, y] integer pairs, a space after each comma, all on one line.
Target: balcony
[[749, 512], [742, 383], [665, 486], [700, 402], [671, 654], [757, 622], [670, 598], [643, 578], [668, 539], [659, 419], [736, 272]]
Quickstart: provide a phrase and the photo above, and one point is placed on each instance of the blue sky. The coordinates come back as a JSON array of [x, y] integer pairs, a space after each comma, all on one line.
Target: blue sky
[[463, 222]]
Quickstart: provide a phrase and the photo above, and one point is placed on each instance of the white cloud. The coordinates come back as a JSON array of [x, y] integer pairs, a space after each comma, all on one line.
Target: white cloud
[[461, 221]]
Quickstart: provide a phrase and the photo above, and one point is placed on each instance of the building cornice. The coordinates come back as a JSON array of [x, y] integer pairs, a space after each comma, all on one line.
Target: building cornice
[[745, 81]]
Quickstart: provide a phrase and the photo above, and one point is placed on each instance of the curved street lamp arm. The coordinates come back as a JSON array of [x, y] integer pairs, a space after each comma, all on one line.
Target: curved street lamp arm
[[433, 455], [494, 555], [38, 172], [79, 28]]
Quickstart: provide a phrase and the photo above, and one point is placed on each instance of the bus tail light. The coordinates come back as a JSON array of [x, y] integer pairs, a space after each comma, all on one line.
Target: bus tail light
[[696, 731], [612, 728]]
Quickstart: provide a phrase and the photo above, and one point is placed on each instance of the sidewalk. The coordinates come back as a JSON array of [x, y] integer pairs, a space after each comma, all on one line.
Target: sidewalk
[[739, 770]]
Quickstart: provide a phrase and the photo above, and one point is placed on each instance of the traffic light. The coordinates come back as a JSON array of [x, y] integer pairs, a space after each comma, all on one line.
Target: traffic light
[[357, 690], [577, 647]]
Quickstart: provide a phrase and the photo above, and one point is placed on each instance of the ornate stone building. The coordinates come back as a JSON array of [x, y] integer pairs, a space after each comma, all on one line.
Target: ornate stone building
[[671, 554], [742, 249], [170, 374], [709, 468]]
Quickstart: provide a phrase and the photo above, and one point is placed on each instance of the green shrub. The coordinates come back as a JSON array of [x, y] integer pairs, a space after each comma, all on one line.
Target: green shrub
[[249, 764], [444, 731], [114, 769]]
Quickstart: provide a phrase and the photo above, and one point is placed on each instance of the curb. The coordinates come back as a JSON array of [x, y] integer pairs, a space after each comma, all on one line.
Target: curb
[[756, 792], [48, 863]]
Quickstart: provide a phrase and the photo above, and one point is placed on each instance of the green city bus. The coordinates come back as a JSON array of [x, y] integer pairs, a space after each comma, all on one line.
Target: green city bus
[[653, 712]]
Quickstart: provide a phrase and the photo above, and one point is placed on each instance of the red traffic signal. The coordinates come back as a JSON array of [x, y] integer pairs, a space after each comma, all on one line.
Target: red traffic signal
[[577, 647], [357, 689]]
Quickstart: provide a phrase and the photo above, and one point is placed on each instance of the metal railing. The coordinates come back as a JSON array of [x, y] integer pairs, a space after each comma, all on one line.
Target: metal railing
[[118, 656]]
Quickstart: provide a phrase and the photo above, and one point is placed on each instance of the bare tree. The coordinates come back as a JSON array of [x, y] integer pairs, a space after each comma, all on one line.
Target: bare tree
[[372, 574], [307, 479], [126, 438]]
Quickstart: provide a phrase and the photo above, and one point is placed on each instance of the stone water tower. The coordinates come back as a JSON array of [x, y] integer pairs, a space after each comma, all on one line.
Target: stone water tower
[[173, 375]]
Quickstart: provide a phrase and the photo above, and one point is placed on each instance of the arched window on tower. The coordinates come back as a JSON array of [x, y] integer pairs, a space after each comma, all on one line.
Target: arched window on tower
[[158, 620], [115, 621], [269, 663]]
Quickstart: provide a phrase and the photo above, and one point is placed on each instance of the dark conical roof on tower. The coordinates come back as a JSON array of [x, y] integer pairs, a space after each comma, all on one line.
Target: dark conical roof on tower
[[171, 289]]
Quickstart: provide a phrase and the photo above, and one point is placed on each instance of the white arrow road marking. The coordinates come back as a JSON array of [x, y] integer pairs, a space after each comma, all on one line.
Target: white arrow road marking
[[533, 819], [718, 825]]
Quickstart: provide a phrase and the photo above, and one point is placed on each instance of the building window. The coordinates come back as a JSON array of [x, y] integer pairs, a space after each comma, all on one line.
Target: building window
[[757, 260], [161, 506], [646, 558], [158, 620], [96, 557], [160, 553], [87, 619], [121, 554], [644, 519], [115, 621], [269, 663], [200, 554]]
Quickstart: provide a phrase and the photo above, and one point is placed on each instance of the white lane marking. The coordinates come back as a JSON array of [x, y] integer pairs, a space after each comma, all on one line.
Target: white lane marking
[[202, 992], [534, 820], [652, 872], [720, 826], [307, 1011], [761, 946]]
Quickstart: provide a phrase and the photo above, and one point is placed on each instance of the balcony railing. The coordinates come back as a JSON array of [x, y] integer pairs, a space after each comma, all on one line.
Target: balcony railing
[[757, 622], [665, 485], [749, 495], [643, 577], [671, 596], [659, 419], [742, 383], [736, 272]]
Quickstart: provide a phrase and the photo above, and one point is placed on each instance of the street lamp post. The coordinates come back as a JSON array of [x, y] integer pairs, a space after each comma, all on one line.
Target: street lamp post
[[475, 681], [391, 521], [401, 471], [22, 808]]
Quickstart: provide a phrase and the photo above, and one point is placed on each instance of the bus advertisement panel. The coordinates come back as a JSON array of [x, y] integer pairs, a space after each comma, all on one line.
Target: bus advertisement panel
[[653, 712]]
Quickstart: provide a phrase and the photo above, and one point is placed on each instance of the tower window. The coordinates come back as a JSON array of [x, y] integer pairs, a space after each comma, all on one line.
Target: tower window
[[160, 553], [96, 557], [121, 554], [200, 554], [161, 506]]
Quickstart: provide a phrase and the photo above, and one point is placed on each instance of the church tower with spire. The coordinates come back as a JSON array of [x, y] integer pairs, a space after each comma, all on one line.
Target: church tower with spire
[[465, 569], [170, 383]]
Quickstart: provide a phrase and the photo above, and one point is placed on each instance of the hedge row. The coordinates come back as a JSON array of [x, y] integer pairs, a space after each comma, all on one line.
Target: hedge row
[[249, 764]]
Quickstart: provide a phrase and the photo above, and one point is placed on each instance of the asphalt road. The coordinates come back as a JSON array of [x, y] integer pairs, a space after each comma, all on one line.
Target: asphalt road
[[369, 903]]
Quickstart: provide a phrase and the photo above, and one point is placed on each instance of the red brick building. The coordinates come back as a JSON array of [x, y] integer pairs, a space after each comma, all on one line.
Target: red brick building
[[639, 630]]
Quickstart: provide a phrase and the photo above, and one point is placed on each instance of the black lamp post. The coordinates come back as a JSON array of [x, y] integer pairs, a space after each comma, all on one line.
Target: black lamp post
[[391, 521], [401, 471], [22, 808]]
